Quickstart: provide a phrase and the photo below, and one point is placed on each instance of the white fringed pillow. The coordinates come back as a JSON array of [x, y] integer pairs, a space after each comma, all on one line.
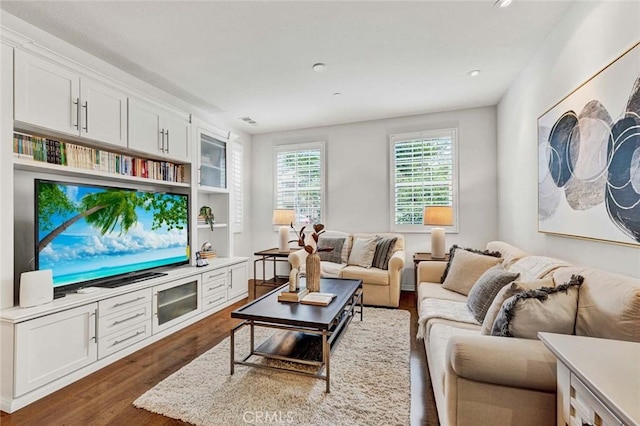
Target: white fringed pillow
[[547, 309]]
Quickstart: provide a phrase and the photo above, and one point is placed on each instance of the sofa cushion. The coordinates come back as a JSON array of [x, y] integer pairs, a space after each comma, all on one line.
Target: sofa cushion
[[549, 309], [534, 267], [435, 291], [506, 292], [608, 306], [335, 255], [367, 275], [331, 269], [486, 288], [384, 250], [362, 252], [452, 253], [465, 270], [508, 252]]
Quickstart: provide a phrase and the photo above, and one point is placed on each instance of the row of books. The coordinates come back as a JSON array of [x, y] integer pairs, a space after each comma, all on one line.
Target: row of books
[[51, 151]]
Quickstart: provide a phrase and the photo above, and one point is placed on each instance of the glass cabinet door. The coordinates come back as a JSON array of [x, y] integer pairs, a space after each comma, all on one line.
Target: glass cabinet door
[[213, 162]]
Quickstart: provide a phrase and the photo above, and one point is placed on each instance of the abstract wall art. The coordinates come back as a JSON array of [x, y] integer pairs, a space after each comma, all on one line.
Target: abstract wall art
[[589, 157]]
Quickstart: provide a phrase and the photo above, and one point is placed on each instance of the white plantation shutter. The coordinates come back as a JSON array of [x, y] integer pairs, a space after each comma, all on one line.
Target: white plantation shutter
[[237, 176], [423, 173], [299, 172]]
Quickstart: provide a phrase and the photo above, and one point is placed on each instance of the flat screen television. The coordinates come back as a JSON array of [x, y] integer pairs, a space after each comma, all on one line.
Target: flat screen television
[[92, 235]]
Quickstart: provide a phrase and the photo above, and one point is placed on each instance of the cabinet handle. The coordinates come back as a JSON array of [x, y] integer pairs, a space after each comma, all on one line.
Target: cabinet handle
[[199, 176], [117, 342], [214, 301], [162, 140], [231, 278], [128, 319], [127, 302], [86, 116], [77, 104], [95, 325], [213, 288], [167, 132]]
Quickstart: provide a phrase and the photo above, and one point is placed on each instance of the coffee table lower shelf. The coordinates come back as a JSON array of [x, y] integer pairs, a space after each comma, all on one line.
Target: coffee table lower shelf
[[297, 345]]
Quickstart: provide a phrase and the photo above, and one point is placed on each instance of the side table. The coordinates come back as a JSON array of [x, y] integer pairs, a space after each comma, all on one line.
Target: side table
[[274, 255], [423, 257]]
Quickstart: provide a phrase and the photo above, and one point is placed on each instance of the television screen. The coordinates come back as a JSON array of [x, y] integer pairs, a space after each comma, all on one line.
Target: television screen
[[86, 233]]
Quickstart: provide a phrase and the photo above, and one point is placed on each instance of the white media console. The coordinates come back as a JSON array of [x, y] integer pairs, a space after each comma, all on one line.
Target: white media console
[[47, 347]]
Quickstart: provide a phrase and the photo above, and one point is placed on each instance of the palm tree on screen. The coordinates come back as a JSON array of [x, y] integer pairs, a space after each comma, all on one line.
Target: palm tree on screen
[[107, 210]]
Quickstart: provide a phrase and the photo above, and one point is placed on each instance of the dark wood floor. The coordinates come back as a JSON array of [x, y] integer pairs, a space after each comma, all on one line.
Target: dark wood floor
[[105, 397]]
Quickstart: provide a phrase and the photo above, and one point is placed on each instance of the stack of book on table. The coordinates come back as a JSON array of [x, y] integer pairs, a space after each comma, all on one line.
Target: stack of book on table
[[304, 296]]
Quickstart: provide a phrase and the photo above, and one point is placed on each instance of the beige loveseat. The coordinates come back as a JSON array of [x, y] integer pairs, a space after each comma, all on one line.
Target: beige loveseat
[[380, 287], [488, 380]]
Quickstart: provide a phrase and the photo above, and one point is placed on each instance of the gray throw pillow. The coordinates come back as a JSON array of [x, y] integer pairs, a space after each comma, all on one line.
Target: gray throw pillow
[[548, 309], [333, 255], [486, 288], [384, 250]]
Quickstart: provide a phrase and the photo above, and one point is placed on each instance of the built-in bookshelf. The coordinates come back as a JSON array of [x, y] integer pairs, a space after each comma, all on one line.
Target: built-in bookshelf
[[64, 156]]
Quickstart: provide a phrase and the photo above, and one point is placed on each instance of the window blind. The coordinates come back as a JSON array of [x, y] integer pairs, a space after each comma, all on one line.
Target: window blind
[[423, 174], [299, 181]]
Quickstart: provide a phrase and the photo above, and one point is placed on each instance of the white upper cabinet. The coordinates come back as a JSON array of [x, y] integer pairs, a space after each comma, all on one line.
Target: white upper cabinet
[[51, 96], [46, 94], [157, 131], [103, 114]]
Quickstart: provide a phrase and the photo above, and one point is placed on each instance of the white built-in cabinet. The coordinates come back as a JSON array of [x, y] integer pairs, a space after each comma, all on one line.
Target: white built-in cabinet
[[238, 281], [54, 97], [157, 131], [50, 347]]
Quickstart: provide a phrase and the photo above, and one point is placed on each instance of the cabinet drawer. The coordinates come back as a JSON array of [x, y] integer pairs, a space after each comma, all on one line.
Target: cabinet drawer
[[214, 300], [586, 409], [124, 301], [123, 319], [214, 286], [123, 339], [213, 275]]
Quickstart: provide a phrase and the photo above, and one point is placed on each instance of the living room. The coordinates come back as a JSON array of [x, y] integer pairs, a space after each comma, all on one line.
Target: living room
[[497, 145]]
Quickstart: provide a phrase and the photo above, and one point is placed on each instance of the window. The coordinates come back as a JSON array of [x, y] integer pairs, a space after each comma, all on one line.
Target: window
[[237, 176], [423, 167], [299, 173]]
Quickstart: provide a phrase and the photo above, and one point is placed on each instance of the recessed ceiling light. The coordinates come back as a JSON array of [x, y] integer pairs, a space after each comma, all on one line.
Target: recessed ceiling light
[[473, 73], [319, 67], [337, 94], [502, 3]]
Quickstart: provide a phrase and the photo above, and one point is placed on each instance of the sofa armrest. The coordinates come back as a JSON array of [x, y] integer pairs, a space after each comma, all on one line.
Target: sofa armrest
[[297, 258], [431, 272], [519, 363]]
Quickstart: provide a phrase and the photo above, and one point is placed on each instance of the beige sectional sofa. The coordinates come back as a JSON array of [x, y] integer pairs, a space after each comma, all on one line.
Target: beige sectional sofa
[[488, 380], [380, 287]]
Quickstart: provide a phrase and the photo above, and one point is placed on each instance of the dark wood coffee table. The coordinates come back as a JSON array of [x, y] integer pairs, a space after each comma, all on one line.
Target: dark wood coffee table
[[307, 334]]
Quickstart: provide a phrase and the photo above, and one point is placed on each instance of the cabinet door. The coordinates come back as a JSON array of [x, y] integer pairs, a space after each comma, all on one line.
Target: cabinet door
[[176, 137], [238, 283], [53, 346], [213, 161], [46, 95], [103, 115], [144, 128]]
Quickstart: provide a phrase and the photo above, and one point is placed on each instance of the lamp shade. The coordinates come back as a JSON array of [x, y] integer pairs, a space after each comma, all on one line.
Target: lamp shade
[[283, 217], [438, 215]]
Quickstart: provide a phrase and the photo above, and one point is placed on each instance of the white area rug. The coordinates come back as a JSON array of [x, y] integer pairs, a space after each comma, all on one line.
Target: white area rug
[[370, 382]]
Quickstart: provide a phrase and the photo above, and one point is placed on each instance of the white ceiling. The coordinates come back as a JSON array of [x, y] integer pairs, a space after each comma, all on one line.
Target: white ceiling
[[238, 59]]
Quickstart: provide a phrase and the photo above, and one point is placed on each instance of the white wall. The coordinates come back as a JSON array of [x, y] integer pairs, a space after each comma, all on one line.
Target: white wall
[[587, 38], [358, 177]]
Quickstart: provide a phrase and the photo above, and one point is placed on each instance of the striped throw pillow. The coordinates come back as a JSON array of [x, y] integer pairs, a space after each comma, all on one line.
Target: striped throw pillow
[[384, 250]]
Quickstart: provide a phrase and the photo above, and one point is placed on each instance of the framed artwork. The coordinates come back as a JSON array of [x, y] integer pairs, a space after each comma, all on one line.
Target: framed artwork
[[589, 157]]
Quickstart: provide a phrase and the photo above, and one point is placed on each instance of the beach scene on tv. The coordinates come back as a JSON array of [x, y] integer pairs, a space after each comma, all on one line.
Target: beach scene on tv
[[90, 232]]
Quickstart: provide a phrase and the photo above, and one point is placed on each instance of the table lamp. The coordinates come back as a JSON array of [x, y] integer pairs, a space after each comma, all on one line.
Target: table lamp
[[438, 216], [284, 218]]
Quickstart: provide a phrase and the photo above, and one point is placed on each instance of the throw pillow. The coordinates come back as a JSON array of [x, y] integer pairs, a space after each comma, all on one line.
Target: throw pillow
[[384, 250], [486, 288], [550, 309], [452, 253], [362, 251], [333, 243], [505, 293], [465, 270]]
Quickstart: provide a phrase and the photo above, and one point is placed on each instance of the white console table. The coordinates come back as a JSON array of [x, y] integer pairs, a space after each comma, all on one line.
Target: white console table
[[598, 380]]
